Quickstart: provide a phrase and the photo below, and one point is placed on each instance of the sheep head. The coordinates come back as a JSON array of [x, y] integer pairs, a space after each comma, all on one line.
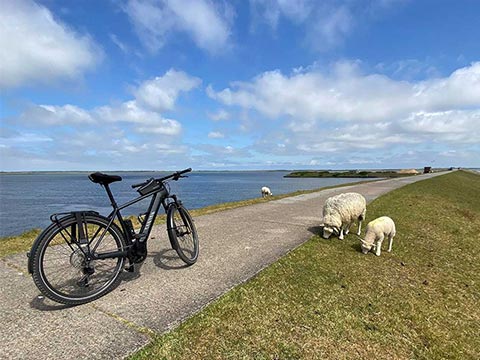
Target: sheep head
[[331, 224], [328, 230], [366, 247]]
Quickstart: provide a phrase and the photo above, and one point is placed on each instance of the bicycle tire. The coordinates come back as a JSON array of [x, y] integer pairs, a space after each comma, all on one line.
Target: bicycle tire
[[182, 233], [53, 253]]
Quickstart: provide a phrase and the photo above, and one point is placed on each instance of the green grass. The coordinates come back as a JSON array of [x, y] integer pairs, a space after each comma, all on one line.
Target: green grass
[[14, 244], [326, 300], [20, 243]]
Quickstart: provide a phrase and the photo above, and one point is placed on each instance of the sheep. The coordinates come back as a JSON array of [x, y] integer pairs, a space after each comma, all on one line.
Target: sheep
[[340, 211], [266, 192], [375, 233]]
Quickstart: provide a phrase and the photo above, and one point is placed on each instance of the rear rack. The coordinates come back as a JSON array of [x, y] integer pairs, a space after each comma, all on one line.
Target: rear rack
[[54, 217]]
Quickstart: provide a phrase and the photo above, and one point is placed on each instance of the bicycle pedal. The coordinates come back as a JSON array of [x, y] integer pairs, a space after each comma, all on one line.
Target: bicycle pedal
[[129, 268]]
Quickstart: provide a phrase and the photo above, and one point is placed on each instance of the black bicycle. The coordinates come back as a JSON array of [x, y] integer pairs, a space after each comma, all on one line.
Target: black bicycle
[[80, 256]]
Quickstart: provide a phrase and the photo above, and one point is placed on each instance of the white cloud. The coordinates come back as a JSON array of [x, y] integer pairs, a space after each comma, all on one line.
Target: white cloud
[[161, 93], [35, 47], [145, 121], [202, 20], [341, 112], [221, 153], [26, 138], [330, 28], [409, 69], [56, 115], [344, 94], [448, 126], [221, 114], [152, 97], [326, 23], [119, 43], [271, 10], [216, 135]]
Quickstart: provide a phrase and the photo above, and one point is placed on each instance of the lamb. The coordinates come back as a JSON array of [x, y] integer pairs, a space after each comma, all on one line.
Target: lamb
[[266, 192], [376, 231], [340, 211]]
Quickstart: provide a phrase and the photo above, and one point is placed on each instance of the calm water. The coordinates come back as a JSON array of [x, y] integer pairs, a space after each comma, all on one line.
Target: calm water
[[27, 200]]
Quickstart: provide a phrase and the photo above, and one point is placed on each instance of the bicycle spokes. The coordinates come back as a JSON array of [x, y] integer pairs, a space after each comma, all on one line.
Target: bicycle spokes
[[67, 270]]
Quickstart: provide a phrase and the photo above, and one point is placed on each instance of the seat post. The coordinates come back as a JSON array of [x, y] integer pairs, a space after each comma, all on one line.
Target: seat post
[[110, 195]]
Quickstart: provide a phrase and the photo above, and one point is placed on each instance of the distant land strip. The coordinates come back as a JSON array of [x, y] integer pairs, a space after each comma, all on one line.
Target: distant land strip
[[354, 173]]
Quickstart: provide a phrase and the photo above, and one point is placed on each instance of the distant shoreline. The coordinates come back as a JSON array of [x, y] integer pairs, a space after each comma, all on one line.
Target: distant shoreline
[[350, 174]]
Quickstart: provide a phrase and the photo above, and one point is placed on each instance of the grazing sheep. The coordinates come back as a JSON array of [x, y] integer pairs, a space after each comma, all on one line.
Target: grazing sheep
[[340, 212], [376, 231], [266, 192]]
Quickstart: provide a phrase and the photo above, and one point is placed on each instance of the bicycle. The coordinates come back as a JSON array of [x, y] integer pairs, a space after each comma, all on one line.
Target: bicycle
[[79, 257]]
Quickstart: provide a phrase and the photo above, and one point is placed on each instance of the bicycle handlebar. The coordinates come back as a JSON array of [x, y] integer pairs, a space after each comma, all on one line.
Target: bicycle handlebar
[[176, 175]]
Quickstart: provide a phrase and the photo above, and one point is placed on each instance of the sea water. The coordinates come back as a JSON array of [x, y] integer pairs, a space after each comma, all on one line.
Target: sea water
[[28, 199]]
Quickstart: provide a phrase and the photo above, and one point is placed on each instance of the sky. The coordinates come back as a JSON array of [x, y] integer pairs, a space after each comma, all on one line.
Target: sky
[[238, 85]]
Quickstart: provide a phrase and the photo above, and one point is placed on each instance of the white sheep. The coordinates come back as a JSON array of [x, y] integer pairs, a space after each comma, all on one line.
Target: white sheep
[[375, 233], [341, 211], [266, 192]]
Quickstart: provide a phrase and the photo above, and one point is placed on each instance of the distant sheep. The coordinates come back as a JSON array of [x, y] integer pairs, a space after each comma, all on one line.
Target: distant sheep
[[376, 231], [266, 192], [341, 211]]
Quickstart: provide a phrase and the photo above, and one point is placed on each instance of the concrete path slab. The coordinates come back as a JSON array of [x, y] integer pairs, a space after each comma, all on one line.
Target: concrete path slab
[[234, 246]]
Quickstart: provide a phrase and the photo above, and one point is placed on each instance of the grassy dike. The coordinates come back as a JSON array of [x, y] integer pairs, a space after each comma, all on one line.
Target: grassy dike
[[21, 243], [326, 300]]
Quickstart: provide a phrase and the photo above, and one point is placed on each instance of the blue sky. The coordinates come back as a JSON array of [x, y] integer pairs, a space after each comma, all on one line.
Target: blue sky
[[232, 85]]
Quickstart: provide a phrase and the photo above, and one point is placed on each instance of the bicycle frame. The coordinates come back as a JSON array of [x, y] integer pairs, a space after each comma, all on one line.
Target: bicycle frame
[[159, 197]]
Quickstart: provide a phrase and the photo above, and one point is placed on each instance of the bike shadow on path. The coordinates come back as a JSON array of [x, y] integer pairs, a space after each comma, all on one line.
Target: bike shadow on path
[[168, 259], [42, 303]]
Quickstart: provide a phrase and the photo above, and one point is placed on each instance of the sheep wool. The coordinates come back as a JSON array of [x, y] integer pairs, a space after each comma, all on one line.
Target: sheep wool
[[341, 211], [375, 233], [266, 191]]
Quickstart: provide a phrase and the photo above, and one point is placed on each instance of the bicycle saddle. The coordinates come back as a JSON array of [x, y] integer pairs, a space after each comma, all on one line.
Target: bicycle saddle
[[104, 179]]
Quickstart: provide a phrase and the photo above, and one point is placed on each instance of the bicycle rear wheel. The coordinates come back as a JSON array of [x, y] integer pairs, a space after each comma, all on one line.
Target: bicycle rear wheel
[[62, 266], [182, 233]]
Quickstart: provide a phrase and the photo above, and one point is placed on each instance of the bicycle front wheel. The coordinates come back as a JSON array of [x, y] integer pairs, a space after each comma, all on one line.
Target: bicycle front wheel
[[182, 233], [62, 266]]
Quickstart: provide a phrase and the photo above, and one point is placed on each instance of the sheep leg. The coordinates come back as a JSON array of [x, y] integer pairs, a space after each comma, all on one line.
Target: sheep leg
[[390, 242], [360, 219], [347, 228], [378, 249], [341, 233]]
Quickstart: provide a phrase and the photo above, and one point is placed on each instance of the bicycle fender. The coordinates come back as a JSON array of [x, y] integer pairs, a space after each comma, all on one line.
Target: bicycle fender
[[170, 210]]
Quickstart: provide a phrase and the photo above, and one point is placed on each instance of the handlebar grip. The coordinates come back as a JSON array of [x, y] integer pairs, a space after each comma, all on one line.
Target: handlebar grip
[[184, 171], [177, 175]]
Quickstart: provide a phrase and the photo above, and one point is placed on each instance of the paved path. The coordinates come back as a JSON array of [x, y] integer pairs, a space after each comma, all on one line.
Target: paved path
[[234, 245]]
